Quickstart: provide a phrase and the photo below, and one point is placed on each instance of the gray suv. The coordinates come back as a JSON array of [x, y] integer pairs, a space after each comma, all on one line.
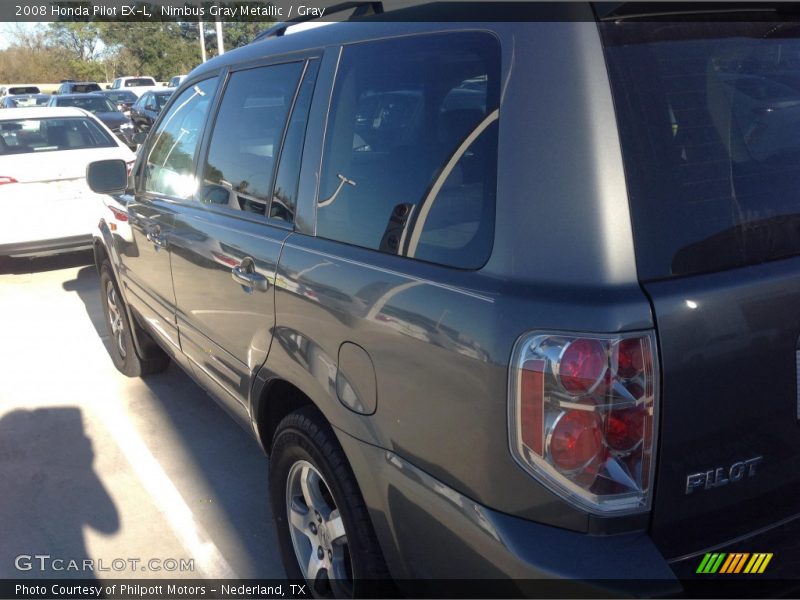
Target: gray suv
[[514, 299]]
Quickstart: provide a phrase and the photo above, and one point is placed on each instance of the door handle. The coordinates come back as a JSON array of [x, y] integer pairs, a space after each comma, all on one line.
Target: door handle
[[244, 274]]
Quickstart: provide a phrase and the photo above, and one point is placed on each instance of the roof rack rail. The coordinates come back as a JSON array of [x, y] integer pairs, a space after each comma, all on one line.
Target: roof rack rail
[[362, 9]]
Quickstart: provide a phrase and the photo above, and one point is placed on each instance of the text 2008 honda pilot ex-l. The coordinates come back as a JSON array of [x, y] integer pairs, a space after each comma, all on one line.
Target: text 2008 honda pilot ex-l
[[500, 298]]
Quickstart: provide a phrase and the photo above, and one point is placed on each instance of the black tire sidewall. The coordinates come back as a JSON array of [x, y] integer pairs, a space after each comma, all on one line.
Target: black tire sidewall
[[293, 444], [129, 364]]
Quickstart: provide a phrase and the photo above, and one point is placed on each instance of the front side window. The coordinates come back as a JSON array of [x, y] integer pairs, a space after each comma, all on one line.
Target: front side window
[[49, 135], [169, 167], [410, 157], [247, 135]]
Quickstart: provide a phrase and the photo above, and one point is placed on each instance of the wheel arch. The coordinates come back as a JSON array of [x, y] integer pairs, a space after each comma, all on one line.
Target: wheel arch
[[276, 399]]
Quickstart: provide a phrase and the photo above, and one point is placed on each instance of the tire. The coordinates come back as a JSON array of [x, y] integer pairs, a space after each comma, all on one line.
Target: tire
[[122, 350], [305, 448]]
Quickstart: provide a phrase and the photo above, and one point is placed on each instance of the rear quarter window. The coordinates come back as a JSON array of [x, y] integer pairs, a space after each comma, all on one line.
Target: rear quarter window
[[709, 119]]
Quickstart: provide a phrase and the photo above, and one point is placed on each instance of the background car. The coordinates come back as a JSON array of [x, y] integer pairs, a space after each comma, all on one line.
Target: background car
[[129, 82], [45, 204], [78, 87], [124, 99], [103, 109], [137, 85], [19, 89], [24, 100], [146, 110]]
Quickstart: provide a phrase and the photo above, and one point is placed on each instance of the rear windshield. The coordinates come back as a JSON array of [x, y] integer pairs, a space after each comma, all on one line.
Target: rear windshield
[[49, 135], [709, 118], [84, 88], [121, 96], [26, 101], [139, 81], [24, 90], [94, 104]]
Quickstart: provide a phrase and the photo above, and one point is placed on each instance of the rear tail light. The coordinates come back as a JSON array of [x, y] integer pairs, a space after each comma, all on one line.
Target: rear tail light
[[119, 215], [582, 414], [130, 166], [4, 179]]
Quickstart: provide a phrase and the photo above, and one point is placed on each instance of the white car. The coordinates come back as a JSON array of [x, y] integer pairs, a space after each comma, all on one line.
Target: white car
[[46, 207]]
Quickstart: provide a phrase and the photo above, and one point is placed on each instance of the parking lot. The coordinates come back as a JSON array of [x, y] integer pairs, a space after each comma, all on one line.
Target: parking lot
[[144, 478]]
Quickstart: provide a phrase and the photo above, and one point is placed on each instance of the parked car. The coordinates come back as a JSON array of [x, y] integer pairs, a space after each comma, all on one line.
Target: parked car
[[124, 99], [24, 100], [501, 300], [138, 85], [103, 109], [176, 81], [45, 204], [77, 87], [146, 109], [19, 90], [129, 82]]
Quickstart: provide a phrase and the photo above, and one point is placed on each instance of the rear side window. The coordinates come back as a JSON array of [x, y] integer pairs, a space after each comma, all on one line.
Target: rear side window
[[284, 196], [410, 157], [161, 100], [169, 167], [709, 118], [50, 135], [247, 135]]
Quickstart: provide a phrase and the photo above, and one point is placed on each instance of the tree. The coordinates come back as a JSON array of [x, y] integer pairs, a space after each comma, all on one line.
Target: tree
[[80, 39], [158, 49], [241, 33]]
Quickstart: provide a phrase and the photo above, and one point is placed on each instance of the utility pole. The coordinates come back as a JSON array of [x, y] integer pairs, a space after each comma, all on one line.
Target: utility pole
[[202, 41], [220, 45]]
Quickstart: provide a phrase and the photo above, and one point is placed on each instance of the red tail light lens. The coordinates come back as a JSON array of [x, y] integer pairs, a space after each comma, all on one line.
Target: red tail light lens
[[130, 166], [582, 416], [4, 179], [582, 365], [119, 215], [576, 440]]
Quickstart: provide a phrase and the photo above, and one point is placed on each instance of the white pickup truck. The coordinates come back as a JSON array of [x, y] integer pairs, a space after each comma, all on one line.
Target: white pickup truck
[[137, 85]]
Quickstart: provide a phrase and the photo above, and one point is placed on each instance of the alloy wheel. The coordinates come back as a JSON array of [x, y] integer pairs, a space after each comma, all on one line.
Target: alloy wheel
[[318, 533]]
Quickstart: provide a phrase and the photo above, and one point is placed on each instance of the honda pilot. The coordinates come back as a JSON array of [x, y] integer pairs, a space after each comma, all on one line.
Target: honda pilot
[[501, 295]]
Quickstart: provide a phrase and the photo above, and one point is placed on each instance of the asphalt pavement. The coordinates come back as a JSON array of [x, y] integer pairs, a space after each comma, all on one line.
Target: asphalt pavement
[[142, 478]]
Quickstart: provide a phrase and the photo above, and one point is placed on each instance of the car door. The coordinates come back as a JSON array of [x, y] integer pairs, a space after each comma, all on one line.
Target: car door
[[227, 243], [150, 112], [137, 113], [165, 175]]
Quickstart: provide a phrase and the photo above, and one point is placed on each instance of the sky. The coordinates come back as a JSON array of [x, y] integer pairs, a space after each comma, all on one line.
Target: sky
[[7, 30]]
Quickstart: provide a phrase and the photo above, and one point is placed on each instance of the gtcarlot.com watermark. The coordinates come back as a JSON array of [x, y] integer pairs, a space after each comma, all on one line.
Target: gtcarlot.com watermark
[[46, 562]]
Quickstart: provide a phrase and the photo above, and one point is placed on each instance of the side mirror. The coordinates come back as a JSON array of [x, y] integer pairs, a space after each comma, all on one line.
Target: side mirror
[[108, 87], [139, 137], [107, 176]]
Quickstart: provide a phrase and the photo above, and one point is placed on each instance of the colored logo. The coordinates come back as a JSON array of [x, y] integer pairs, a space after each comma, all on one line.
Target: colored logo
[[734, 563]]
